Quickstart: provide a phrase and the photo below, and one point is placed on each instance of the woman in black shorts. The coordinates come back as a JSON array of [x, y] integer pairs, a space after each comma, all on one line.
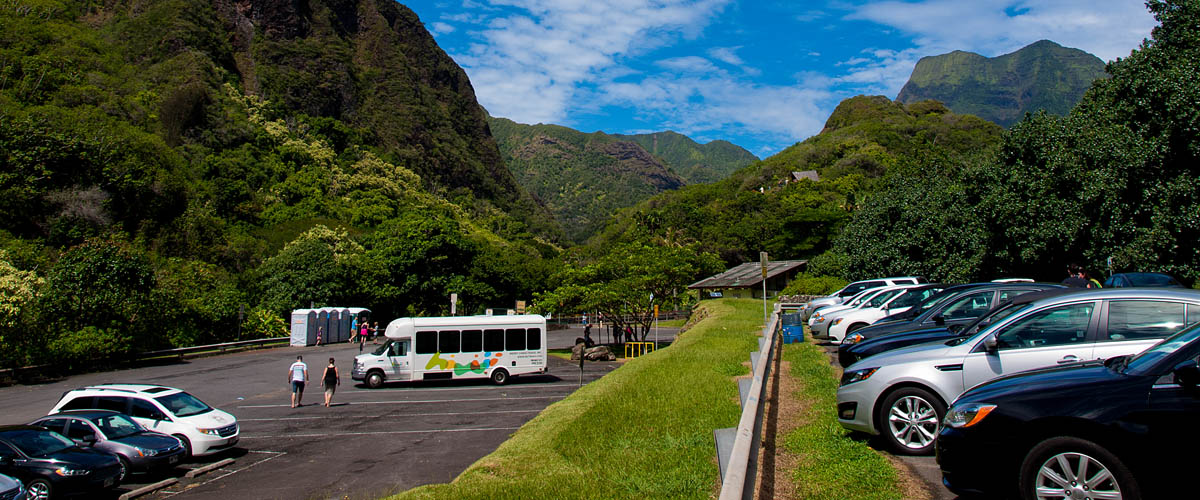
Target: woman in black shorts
[[331, 380]]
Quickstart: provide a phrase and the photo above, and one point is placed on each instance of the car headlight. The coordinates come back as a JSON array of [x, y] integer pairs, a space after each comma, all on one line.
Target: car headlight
[[853, 338], [211, 432], [838, 321], [142, 452], [858, 375], [966, 415], [818, 318], [67, 471]]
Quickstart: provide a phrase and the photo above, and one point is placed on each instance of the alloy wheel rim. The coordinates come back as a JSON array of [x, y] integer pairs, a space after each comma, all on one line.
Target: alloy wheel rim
[[913, 422], [1075, 476], [39, 491]]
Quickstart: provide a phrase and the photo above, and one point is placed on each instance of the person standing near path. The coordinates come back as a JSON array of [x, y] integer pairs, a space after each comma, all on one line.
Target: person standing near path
[[298, 375], [362, 336], [331, 379], [375, 332]]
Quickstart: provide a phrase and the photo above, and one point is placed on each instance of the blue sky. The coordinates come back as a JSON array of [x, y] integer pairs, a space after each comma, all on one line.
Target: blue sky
[[763, 74]]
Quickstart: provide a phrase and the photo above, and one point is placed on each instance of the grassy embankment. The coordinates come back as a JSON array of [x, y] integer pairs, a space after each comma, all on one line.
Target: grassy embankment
[[830, 465], [642, 431]]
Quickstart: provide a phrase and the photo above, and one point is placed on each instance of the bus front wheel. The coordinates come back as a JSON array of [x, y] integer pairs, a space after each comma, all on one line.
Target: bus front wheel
[[499, 376], [375, 380]]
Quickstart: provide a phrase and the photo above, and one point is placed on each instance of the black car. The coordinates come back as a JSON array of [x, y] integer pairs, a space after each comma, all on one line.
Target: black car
[[1121, 280], [1119, 428], [51, 465], [951, 315]]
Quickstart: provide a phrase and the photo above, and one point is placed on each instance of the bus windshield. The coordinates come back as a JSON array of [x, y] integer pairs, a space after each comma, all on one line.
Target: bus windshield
[[383, 349]]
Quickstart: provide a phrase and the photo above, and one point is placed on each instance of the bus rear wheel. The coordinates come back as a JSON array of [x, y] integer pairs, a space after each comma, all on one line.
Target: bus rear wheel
[[499, 376], [375, 380]]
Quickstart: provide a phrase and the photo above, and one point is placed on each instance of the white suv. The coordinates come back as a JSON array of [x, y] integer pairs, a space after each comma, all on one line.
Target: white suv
[[203, 429]]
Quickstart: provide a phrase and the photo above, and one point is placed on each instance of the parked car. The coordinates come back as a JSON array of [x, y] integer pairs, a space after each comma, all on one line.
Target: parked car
[[854, 289], [1122, 428], [139, 449], [204, 430], [943, 320], [51, 465], [878, 308], [1122, 280], [903, 394], [818, 325], [11, 488]]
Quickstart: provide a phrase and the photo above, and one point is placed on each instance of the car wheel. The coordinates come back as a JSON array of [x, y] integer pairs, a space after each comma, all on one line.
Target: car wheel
[[1069, 467], [187, 446], [124, 469], [499, 376], [375, 380], [39, 489], [909, 420]]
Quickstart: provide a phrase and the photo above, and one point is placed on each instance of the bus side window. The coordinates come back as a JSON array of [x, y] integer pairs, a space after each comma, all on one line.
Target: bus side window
[[493, 340], [472, 340], [514, 339], [427, 342], [448, 341], [399, 349], [534, 336]]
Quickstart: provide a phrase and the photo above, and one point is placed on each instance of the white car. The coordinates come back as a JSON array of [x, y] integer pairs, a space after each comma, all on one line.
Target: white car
[[853, 289], [819, 324], [203, 429], [903, 394], [878, 308]]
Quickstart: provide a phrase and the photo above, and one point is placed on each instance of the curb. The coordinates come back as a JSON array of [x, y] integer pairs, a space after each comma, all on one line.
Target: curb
[[207, 468], [149, 488]]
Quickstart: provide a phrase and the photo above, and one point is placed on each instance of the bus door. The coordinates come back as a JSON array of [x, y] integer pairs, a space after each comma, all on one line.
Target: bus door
[[398, 357]]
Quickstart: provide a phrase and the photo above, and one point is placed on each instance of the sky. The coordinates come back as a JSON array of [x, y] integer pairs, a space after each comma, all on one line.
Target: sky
[[763, 74]]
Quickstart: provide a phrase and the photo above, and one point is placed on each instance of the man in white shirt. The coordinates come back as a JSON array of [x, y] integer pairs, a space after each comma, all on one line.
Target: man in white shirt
[[298, 375]]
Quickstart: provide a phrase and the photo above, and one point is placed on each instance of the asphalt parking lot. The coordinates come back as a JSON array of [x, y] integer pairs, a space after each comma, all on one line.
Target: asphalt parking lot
[[370, 443]]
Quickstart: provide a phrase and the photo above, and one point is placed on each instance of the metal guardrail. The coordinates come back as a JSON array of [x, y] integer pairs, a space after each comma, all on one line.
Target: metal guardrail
[[181, 351], [635, 349], [739, 458]]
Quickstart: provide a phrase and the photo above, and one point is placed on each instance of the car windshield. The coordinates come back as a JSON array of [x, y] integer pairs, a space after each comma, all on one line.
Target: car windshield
[[1141, 364], [1151, 279], [117, 426], [38, 443], [882, 298], [973, 328], [183, 404], [912, 297], [383, 349]]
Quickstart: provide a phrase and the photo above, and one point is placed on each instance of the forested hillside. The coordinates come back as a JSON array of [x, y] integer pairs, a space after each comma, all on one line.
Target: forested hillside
[[583, 178], [760, 208], [1117, 177], [164, 164], [1041, 76]]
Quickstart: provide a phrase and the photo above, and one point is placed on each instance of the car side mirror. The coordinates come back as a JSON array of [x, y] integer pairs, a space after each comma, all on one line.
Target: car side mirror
[[939, 320], [1187, 374], [88, 440], [991, 345]]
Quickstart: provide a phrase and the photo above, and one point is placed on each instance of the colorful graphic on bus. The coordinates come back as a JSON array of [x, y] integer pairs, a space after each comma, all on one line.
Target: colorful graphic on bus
[[460, 368]]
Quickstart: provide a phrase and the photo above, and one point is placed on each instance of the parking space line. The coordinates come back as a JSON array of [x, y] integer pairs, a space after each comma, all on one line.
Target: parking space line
[[419, 401], [190, 486], [374, 433], [401, 415], [469, 388]]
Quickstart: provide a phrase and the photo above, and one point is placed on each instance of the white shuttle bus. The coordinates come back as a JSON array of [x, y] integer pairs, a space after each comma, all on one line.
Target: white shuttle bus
[[456, 347]]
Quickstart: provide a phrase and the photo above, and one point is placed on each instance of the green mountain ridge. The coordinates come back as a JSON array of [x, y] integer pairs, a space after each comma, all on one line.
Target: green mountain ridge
[[583, 178], [759, 207], [1041, 76]]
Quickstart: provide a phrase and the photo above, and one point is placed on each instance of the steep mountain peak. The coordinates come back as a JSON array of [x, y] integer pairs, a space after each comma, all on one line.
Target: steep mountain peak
[[1042, 75]]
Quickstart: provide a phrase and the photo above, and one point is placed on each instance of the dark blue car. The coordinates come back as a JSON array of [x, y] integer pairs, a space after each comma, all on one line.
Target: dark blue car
[[1120, 428], [51, 465]]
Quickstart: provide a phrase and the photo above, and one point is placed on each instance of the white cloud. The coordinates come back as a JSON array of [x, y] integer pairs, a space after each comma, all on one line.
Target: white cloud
[[535, 55], [1106, 28], [440, 28], [688, 64], [727, 55]]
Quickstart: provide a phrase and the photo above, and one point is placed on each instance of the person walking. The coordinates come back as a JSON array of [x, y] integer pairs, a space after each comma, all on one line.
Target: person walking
[[298, 375], [331, 379], [320, 330], [362, 336]]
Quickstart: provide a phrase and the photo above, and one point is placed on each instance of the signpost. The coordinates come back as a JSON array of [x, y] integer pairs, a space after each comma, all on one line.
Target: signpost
[[762, 257]]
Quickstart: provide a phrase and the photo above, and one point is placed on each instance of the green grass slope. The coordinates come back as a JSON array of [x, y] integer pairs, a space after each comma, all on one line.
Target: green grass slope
[[642, 431], [696, 163], [1041, 76]]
